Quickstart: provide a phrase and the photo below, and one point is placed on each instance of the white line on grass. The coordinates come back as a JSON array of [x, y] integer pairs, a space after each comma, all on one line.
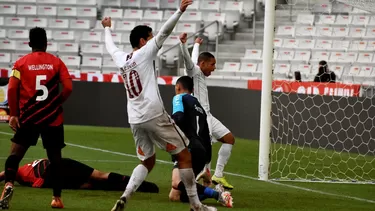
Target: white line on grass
[[229, 173]]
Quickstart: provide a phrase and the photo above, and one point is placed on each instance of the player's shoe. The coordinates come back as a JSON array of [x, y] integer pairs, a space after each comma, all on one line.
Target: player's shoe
[[120, 205], [225, 197], [204, 208], [6, 196], [57, 203], [221, 180], [206, 176]]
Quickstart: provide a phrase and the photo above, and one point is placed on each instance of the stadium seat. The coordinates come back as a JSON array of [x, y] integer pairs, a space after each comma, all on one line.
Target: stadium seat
[[354, 70], [326, 20], [305, 19], [67, 12], [358, 45], [172, 40], [26, 10], [366, 71], [63, 36], [371, 21], [87, 2], [80, 25], [340, 45], [233, 6], [285, 56], [155, 15], [282, 70], [133, 14], [1, 21], [86, 12], [5, 59], [323, 31], [111, 3], [109, 65], [117, 37], [58, 24], [338, 7], [131, 3], [290, 43], [91, 37], [14, 22], [8, 9], [169, 4], [212, 6], [91, 63], [337, 69], [231, 66], [370, 46], [72, 62], [323, 44], [189, 28], [3, 33], [322, 7], [106, 54], [99, 26], [68, 48], [253, 55], [46, 2], [365, 58], [17, 56], [150, 24], [343, 20], [18, 34], [52, 47], [168, 14], [287, 31], [36, 22], [191, 16], [92, 49], [124, 25], [302, 56], [7, 45], [194, 6], [155, 4], [277, 42], [370, 33], [49, 34], [25, 1], [306, 44], [212, 31], [360, 20], [125, 39], [67, 2], [47, 11], [22, 46], [320, 55], [305, 31], [113, 13], [340, 32], [304, 69], [357, 32], [248, 67]]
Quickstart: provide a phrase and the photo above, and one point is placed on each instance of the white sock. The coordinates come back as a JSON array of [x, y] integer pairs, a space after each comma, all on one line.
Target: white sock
[[138, 176], [188, 178], [222, 160]]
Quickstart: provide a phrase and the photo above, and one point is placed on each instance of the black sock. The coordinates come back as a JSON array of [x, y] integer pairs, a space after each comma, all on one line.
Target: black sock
[[183, 197], [56, 178], [11, 168]]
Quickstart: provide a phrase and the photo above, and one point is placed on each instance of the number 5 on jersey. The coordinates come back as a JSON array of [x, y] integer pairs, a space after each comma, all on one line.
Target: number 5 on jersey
[[40, 87]]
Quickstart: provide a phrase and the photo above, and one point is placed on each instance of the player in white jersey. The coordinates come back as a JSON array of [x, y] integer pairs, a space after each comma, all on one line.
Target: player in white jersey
[[149, 122], [200, 67]]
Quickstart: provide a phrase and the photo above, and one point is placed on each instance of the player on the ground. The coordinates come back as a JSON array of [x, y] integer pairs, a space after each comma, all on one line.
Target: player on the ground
[[75, 175], [35, 104], [191, 118], [200, 67], [150, 123]]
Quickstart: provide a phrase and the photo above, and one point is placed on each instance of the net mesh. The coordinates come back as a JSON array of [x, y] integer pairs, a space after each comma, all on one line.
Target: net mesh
[[323, 132]]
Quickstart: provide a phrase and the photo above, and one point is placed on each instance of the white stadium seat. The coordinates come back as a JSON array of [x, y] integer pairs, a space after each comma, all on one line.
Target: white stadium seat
[[357, 32], [253, 54], [131, 3], [91, 63], [18, 34], [7, 45], [70, 12], [106, 54], [340, 45], [68, 48], [305, 31], [109, 65], [130, 14], [323, 31], [324, 7], [213, 6], [46, 2], [290, 43], [305, 19], [58, 23], [285, 55], [172, 40], [5, 58], [87, 2], [26, 1], [22, 46], [49, 34], [47, 10], [36, 22], [117, 37], [67, 2], [323, 44], [371, 21], [80, 24], [302, 56], [354, 70], [150, 24], [231, 66], [319, 56], [15, 22], [285, 31], [194, 6], [337, 69], [248, 67], [343, 20], [3, 33], [169, 4], [370, 33], [366, 71], [71, 62], [360, 20], [340, 32], [189, 28], [113, 13], [358, 45], [8, 9], [17, 56], [191, 16], [370, 46], [91, 37], [111, 3], [125, 25], [126, 39], [1, 21], [63, 35], [304, 69], [26, 10], [277, 42], [150, 4], [282, 69], [365, 57], [233, 6], [92, 49], [168, 14], [155, 15], [306, 44], [326, 20], [87, 12], [99, 26]]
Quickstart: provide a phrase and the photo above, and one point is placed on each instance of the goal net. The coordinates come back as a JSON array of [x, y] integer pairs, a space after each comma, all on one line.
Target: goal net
[[323, 132]]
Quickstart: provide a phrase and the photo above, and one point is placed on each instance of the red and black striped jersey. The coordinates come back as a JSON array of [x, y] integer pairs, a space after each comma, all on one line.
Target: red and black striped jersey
[[40, 102], [32, 174]]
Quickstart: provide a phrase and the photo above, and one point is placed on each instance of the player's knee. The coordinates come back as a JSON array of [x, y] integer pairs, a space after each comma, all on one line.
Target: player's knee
[[184, 159], [149, 163], [174, 195], [228, 139]]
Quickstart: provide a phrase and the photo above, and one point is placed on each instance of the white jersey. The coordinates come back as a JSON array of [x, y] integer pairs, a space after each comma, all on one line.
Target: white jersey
[[194, 71], [138, 72]]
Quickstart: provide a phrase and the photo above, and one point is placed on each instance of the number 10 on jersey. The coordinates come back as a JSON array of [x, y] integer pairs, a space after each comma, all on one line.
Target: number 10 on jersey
[[133, 84]]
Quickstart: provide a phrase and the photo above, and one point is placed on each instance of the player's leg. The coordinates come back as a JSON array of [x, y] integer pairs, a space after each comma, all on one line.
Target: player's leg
[[53, 142], [170, 138], [223, 135], [22, 140], [146, 153]]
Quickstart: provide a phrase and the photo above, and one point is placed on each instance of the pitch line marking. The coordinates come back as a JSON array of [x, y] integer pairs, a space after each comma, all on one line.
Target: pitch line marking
[[229, 173]]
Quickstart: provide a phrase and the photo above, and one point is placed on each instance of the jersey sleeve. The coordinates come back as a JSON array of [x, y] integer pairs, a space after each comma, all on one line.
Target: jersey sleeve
[[191, 69], [16, 71], [118, 56], [63, 71], [195, 53], [178, 105]]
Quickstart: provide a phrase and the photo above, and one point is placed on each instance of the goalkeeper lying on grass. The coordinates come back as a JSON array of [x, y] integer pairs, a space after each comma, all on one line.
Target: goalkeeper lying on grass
[[76, 175]]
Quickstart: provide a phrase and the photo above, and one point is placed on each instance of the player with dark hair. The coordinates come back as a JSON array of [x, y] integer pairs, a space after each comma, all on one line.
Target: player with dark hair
[[75, 175], [200, 67], [150, 123], [35, 104], [190, 116]]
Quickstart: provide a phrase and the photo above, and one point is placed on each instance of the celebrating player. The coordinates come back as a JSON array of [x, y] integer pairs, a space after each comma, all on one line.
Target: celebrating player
[[75, 175], [191, 118], [35, 105], [150, 123], [200, 67]]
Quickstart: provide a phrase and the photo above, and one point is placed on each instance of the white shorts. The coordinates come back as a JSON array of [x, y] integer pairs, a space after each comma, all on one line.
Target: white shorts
[[161, 132], [217, 129]]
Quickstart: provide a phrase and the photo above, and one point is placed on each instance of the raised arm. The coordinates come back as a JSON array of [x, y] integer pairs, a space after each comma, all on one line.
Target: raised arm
[[195, 53], [185, 53], [117, 54]]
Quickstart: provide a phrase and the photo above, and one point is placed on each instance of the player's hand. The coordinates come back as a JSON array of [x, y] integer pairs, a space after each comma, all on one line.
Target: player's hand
[[14, 123], [184, 4], [107, 22], [183, 38], [199, 40]]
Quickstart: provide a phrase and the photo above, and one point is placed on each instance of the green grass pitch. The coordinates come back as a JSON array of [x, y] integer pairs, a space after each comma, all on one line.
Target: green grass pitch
[[105, 148]]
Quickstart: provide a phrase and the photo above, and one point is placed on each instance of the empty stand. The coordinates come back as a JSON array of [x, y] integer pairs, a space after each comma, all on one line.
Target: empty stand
[[26, 10], [36, 22], [18, 34]]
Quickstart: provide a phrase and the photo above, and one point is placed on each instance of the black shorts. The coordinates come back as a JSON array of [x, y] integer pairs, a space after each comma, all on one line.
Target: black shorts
[[74, 174], [198, 156], [52, 136]]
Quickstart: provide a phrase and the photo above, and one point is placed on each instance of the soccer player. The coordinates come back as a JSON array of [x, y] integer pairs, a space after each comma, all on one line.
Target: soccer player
[[75, 175], [35, 104], [150, 123], [192, 119], [200, 67]]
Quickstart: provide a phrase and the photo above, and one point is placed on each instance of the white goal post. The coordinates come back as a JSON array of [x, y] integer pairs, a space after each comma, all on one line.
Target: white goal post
[[313, 136]]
